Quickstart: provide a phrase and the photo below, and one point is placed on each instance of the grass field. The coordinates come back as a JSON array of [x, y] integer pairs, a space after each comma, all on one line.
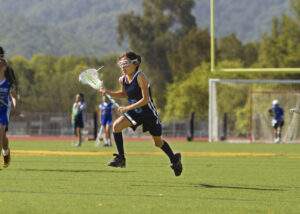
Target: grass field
[[54, 177]]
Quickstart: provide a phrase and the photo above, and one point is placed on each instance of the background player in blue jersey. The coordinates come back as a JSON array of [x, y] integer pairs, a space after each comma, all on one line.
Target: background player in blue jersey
[[77, 117], [277, 114], [8, 87], [136, 88], [106, 121]]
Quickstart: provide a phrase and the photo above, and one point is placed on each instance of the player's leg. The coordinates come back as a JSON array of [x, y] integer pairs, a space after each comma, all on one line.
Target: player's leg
[[275, 133], [119, 124], [278, 134], [109, 134], [280, 131], [108, 127], [175, 159], [78, 136], [99, 136], [103, 124], [106, 134], [6, 150]]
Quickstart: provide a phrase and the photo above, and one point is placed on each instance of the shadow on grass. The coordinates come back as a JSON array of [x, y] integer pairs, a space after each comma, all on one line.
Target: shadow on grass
[[76, 170], [212, 186]]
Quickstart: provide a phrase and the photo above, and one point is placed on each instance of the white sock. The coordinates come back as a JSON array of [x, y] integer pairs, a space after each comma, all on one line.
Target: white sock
[[5, 152], [108, 142]]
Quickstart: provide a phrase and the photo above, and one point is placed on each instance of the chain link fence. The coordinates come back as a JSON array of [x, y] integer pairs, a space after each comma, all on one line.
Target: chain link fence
[[59, 124]]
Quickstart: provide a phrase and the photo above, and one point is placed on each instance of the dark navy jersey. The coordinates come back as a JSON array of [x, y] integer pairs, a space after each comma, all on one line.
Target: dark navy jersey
[[134, 94], [78, 110]]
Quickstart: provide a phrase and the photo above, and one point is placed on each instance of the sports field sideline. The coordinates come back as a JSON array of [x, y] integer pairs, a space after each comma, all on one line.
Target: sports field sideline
[[51, 176], [186, 154]]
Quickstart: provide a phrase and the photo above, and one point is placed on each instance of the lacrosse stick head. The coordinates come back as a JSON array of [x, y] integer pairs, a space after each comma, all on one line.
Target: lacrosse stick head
[[91, 77]]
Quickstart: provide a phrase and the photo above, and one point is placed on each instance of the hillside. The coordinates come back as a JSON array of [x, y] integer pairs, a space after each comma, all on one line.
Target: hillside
[[249, 19], [88, 27]]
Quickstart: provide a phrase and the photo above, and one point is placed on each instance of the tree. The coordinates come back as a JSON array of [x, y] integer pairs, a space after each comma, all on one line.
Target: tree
[[295, 4], [282, 47], [230, 48], [190, 52], [188, 95], [49, 84], [250, 54], [153, 34]]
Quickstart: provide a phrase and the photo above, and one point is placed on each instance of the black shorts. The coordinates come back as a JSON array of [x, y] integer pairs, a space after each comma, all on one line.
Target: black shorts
[[278, 124], [78, 124], [149, 121]]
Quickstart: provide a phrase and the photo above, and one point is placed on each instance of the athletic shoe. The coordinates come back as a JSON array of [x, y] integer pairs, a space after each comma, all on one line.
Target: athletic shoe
[[77, 144], [277, 140], [176, 165], [118, 161], [6, 159]]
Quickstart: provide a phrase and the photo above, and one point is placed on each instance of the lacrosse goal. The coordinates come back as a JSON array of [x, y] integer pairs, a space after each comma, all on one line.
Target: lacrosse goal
[[238, 109]]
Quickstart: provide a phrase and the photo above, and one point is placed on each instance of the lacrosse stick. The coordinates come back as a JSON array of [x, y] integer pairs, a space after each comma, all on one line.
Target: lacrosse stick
[[90, 77]]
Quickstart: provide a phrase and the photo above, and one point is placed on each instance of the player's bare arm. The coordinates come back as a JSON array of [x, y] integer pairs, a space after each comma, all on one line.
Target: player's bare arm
[[117, 94], [13, 95]]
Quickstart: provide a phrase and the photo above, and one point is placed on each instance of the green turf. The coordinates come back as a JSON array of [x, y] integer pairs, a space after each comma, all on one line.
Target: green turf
[[74, 184]]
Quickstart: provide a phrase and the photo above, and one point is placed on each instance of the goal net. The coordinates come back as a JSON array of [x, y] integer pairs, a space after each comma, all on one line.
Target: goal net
[[238, 109]]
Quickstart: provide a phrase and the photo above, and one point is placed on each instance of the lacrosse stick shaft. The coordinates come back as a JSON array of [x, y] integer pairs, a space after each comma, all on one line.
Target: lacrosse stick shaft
[[100, 68], [117, 105]]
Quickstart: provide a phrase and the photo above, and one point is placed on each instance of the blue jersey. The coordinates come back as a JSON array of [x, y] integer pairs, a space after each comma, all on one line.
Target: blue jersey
[[134, 94], [278, 113], [106, 113], [106, 109], [5, 102]]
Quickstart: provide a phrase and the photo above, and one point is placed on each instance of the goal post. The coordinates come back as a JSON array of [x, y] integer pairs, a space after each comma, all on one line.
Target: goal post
[[238, 109]]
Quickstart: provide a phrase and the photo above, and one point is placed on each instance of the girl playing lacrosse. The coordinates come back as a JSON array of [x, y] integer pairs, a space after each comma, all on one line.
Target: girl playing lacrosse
[[8, 86], [135, 87], [77, 117]]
